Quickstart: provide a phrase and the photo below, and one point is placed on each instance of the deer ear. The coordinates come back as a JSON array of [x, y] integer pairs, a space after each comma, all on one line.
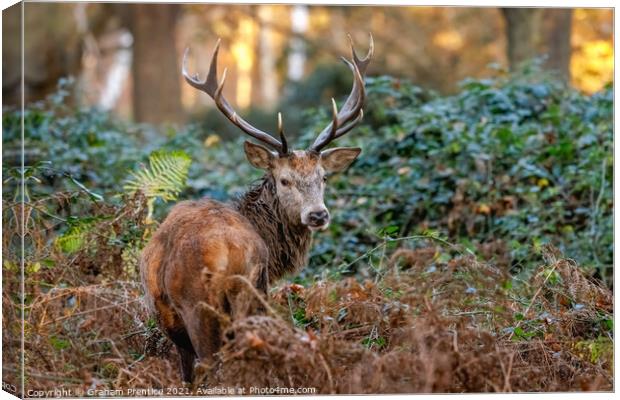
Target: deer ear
[[339, 158], [258, 156]]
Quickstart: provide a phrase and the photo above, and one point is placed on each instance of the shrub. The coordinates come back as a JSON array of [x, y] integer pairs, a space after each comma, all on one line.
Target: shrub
[[501, 168], [507, 164]]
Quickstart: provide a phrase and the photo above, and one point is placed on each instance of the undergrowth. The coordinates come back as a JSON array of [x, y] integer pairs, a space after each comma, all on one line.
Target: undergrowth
[[422, 325]]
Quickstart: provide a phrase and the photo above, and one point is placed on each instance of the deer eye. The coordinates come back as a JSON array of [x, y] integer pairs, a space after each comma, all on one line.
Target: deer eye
[[285, 182], [325, 178]]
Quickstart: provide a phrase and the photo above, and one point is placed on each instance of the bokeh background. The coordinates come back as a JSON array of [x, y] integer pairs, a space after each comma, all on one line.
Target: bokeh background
[[126, 58]]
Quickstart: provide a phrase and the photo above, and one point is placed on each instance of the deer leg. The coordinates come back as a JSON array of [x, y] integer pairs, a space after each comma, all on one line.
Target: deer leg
[[262, 284], [241, 301], [187, 363], [204, 331], [262, 280], [186, 352]]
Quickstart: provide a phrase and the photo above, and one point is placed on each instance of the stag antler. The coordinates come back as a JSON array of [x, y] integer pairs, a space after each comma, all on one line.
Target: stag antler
[[211, 87], [351, 113]]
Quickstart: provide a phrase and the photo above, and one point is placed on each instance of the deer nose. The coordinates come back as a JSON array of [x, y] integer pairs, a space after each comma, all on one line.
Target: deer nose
[[318, 218]]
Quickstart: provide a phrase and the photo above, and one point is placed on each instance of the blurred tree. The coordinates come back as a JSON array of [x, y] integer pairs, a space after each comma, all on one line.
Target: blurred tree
[[55, 38], [523, 33], [267, 57], [447, 45], [297, 55], [11, 57], [155, 66], [52, 49], [557, 33]]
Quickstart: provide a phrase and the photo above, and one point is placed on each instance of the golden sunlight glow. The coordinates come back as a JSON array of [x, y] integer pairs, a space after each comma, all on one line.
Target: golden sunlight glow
[[592, 65], [450, 40], [320, 18], [377, 22], [592, 60], [257, 46], [244, 90], [243, 52]]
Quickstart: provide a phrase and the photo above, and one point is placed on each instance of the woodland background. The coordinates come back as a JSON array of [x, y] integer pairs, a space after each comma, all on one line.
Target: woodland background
[[127, 57], [474, 233]]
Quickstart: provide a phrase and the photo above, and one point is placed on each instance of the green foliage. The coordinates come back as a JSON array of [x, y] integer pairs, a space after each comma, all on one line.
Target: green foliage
[[297, 310], [85, 144], [505, 166], [516, 161], [596, 350], [58, 343], [164, 178], [74, 238], [378, 342]]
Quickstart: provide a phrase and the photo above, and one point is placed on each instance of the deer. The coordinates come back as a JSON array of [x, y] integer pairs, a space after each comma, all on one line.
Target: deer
[[187, 267]]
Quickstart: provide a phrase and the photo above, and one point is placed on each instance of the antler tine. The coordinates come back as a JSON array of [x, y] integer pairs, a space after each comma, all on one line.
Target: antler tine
[[363, 63], [334, 127], [344, 129], [358, 67], [218, 91], [355, 101], [211, 87], [284, 147], [351, 112]]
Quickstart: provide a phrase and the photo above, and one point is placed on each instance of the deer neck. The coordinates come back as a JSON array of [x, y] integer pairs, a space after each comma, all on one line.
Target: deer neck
[[288, 243]]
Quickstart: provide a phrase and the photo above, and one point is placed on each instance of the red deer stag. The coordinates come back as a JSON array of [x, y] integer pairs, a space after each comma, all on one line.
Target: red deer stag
[[265, 234]]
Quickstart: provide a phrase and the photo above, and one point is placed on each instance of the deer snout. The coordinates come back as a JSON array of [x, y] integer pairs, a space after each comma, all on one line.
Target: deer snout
[[317, 219]]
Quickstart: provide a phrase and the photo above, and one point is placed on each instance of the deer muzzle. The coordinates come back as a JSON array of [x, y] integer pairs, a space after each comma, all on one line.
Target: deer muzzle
[[317, 219]]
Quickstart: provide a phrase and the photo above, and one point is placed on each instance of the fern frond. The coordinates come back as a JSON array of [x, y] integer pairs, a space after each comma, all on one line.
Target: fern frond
[[164, 178], [74, 239]]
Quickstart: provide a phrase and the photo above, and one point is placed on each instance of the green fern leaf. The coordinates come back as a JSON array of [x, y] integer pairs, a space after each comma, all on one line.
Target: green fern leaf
[[164, 178], [74, 239]]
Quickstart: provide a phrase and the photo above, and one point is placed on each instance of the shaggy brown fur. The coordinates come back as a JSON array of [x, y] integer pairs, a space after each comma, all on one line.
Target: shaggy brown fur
[[186, 270], [206, 261], [288, 243], [187, 266]]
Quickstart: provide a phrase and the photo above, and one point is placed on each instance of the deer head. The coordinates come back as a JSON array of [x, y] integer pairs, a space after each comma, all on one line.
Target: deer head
[[298, 176]]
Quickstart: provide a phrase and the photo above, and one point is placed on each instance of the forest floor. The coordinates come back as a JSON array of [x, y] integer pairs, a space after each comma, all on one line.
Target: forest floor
[[421, 325]]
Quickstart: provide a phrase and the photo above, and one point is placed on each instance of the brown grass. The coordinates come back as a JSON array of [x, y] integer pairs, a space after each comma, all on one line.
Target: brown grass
[[421, 325]]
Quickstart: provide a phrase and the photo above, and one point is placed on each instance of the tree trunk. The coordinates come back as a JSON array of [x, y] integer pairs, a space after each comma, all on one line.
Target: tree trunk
[[11, 55], [523, 33], [559, 23], [155, 65], [52, 50], [297, 56], [267, 57]]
